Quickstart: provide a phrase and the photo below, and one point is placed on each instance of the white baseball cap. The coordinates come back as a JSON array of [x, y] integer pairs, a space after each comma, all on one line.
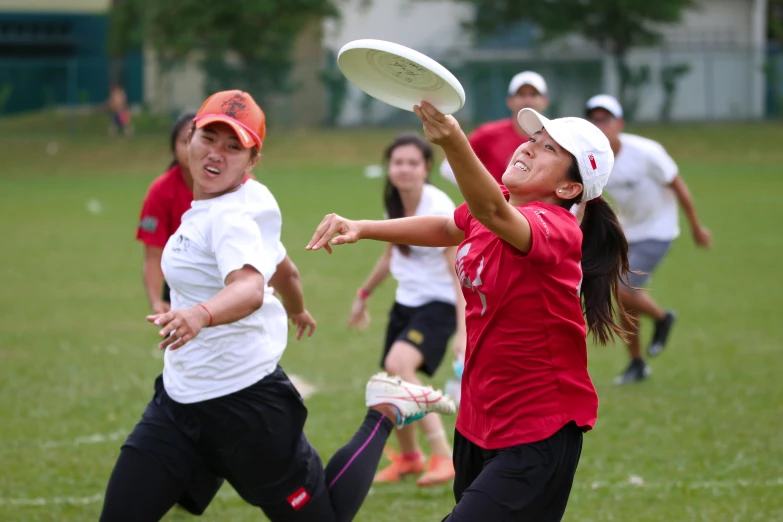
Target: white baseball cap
[[606, 102], [583, 140], [531, 78]]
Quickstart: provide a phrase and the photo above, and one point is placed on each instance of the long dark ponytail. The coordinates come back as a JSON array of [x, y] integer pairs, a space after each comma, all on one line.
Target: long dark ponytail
[[391, 196], [186, 118], [604, 265]]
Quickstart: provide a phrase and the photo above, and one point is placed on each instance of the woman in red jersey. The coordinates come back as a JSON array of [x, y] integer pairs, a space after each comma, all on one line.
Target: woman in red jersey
[[534, 280], [168, 197]]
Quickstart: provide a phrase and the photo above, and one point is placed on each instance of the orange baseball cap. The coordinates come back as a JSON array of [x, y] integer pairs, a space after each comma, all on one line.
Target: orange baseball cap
[[237, 109]]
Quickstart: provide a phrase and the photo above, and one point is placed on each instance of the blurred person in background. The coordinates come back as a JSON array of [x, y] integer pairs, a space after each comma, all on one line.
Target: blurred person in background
[[167, 199], [495, 142], [646, 187], [120, 112], [223, 407], [424, 315]]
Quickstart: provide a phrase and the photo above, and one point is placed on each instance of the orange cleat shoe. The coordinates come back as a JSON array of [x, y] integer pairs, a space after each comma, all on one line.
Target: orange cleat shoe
[[439, 471], [399, 467]]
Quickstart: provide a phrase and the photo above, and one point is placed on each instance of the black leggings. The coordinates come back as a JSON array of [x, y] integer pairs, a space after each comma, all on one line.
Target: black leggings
[[272, 468]]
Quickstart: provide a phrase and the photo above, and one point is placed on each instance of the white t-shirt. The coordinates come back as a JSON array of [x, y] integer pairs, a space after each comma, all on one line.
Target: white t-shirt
[[640, 186], [216, 237], [425, 275]]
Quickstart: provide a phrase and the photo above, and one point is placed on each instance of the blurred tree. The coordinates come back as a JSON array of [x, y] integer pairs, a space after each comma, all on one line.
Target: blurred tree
[[669, 76], [775, 21], [772, 66], [616, 26], [336, 85], [246, 44]]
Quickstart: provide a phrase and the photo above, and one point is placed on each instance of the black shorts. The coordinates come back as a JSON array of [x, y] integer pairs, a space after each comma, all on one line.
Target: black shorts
[[166, 294], [428, 327], [528, 482], [253, 438]]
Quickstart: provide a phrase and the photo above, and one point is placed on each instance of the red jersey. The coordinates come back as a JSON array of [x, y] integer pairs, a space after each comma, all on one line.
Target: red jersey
[[167, 199], [494, 143], [525, 373]]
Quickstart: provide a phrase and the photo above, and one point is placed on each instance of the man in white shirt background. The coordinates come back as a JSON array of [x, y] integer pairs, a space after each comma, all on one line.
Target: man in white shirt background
[[646, 187]]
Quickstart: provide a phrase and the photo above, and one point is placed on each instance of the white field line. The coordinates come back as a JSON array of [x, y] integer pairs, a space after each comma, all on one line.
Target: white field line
[[97, 438]]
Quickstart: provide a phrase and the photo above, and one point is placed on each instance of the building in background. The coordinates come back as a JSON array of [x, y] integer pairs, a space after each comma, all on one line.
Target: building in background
[[720, 45], [53, 53]]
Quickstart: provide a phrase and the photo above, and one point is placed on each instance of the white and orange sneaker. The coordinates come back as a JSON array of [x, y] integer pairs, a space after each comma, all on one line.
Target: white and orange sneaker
[[411, 401]]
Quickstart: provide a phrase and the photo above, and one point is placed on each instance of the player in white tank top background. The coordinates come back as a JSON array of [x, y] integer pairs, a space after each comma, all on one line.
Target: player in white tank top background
[[424, 316]]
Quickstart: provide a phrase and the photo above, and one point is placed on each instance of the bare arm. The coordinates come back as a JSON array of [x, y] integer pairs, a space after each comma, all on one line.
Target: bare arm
[[700, 234], [242, 295], [380, 272], [288, 284], [153, 278], [431, 231], [480, 190], [460, 335], [359, 317]]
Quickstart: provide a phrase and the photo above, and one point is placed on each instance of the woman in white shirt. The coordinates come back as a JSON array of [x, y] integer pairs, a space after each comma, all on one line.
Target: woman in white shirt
[[223, 408], [424, 315]]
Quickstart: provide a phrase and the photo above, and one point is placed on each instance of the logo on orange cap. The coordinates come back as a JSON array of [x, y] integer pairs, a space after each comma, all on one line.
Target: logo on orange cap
[[239, 111]]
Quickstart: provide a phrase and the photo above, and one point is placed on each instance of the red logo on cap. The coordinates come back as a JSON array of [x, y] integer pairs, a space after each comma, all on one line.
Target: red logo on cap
[[299, 499], [235, 106], [592, 161]]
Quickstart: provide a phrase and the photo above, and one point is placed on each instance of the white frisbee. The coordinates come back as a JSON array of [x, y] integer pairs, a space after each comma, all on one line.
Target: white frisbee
[[400, 76]]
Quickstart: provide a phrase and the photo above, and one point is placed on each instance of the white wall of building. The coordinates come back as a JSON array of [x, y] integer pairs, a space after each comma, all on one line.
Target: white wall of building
[[722, 41], [176, 89]]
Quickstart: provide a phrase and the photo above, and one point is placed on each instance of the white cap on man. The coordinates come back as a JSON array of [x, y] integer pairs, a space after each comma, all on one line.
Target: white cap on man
[[583, 140], [606, 102], [531, 78]]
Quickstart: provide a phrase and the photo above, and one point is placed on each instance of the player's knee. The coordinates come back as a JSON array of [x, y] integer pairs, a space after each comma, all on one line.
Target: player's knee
[[400, 361], [394, 366]]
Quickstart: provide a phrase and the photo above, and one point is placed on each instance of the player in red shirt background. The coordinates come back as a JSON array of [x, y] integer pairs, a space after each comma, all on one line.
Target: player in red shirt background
[[495, 142], [533, 279], [168, 197]]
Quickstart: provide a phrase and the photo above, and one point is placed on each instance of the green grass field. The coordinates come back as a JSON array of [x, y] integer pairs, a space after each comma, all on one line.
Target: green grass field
[[702, 440]]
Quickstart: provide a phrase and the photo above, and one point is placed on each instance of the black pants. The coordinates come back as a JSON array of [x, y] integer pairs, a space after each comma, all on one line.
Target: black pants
[[254, 439], [529, 482]]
